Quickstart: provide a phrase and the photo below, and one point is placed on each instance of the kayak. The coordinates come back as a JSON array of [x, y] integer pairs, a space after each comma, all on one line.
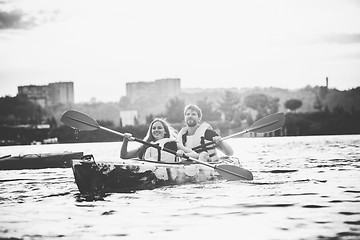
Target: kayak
[[128, 175], [38, 160]]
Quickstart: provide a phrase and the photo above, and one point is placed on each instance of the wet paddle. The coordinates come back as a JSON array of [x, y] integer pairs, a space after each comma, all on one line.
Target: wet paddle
[[83, 122], [266, 124]]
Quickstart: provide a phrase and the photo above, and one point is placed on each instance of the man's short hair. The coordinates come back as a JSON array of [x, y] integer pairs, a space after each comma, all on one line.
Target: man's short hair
[[193, 107]]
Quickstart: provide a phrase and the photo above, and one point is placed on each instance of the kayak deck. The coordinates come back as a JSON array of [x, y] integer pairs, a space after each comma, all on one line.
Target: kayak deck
[[133, 174]]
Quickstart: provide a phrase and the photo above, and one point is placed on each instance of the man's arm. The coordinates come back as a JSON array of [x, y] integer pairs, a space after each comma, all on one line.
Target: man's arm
[[211, 135], [225, 148]]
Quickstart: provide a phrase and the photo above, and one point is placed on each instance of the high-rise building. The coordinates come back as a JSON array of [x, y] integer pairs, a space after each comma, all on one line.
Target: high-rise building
[[61, 93], [49, 95]]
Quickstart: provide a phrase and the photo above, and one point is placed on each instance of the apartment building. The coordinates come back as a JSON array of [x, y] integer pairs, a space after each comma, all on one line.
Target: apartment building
[[49, 95]]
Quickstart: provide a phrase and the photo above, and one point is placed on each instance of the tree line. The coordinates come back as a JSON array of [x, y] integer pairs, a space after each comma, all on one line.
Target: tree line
[[230, 114]]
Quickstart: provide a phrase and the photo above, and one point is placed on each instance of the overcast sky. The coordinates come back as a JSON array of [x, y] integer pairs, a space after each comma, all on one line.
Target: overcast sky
[[101, 45]]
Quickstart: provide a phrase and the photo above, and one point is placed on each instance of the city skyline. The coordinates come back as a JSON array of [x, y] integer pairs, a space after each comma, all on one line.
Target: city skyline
[[206, 44]]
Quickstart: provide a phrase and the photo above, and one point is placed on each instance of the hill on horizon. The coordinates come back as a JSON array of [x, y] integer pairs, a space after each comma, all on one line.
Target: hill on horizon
[[332, 98], [146, 105]]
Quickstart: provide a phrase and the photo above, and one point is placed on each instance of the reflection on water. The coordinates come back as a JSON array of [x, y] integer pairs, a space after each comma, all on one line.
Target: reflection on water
[[303, 188]]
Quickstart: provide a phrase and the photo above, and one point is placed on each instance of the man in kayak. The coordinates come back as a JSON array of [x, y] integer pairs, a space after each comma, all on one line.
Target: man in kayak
[[159, 133], [196, 135]]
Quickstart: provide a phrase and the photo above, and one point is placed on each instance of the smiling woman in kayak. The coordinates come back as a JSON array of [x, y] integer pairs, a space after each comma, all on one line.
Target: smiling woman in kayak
[[159, 133]]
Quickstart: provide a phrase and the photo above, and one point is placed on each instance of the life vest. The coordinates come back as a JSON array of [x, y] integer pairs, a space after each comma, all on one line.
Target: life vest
[[198, 141], [155, 154]]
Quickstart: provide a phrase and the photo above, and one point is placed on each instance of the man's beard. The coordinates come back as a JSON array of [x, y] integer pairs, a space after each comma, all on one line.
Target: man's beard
[[191, 123]]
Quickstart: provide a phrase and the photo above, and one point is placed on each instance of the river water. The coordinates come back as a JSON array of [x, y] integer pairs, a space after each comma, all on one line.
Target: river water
[[303, 188]]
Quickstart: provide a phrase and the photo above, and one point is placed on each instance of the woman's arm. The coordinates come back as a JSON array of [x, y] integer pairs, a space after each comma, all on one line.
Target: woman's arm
[[124, 153]]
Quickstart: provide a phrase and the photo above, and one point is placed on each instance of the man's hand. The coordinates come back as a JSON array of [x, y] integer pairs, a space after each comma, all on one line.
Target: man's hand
[[180, 153], [216, 139], [204, 156]]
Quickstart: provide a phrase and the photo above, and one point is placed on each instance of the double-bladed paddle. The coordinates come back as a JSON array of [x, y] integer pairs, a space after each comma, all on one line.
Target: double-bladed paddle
[[83, 122]]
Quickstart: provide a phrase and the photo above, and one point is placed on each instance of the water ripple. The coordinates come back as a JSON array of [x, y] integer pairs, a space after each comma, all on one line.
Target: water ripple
[[304, 188]]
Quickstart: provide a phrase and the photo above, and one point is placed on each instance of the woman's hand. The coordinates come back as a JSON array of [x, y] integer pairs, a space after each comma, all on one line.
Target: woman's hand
[[129, 136]]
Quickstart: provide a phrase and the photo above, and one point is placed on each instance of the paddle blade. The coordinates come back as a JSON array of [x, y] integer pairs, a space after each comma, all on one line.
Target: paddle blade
[[233, 173], [269, 123], [79, 121]]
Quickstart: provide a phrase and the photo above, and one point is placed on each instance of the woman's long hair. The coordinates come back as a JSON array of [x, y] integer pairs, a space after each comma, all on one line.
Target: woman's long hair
[[149, 137], [170, 132]]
